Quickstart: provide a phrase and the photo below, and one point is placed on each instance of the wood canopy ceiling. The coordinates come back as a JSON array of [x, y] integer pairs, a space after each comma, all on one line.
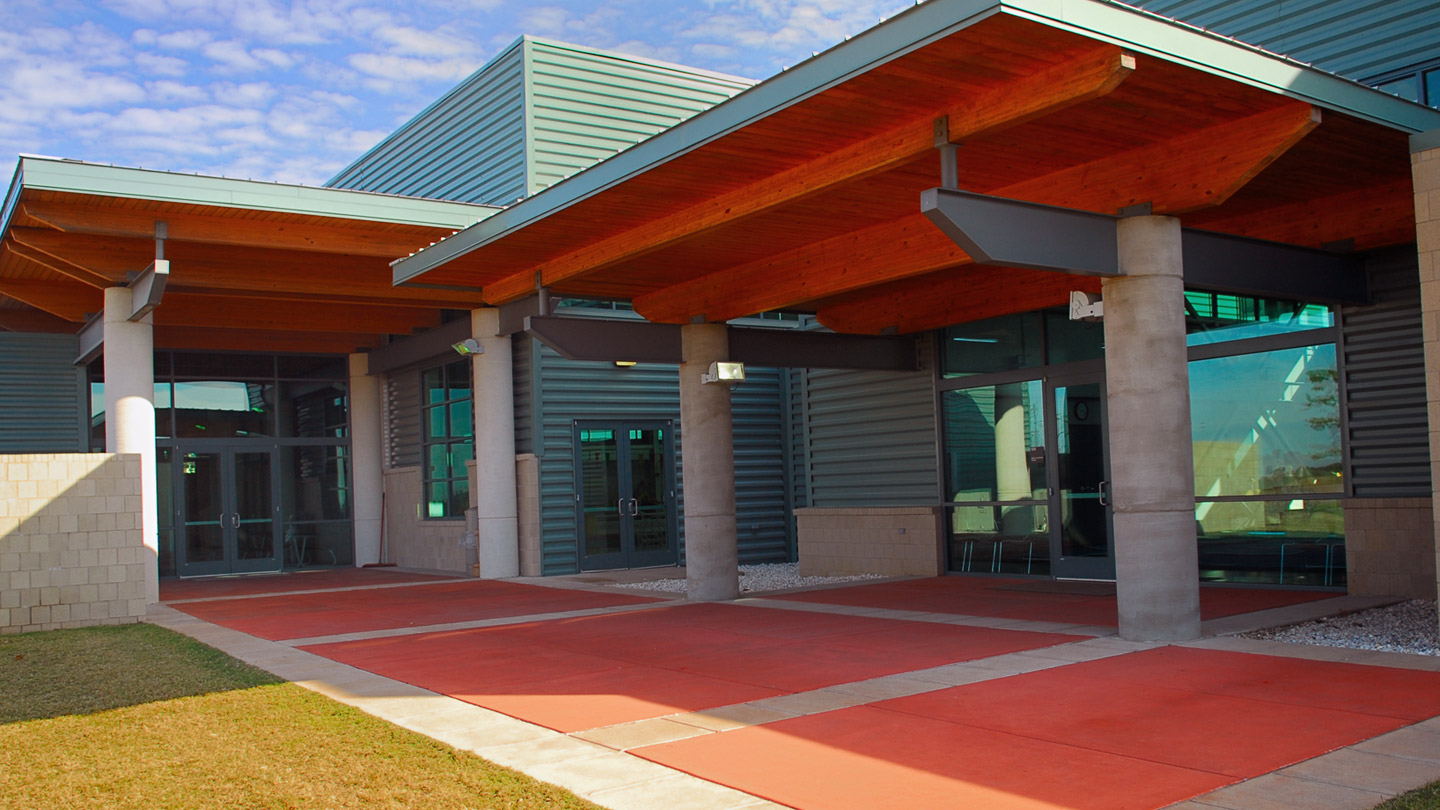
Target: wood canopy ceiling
[[241, 279], [815, 207]]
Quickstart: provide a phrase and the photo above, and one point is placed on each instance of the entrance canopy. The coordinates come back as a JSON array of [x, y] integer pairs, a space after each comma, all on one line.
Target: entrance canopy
[[253, 266], [803, 193]]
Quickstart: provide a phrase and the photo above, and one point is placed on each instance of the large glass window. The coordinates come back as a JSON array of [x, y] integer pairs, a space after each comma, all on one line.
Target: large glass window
[[998, 344], [995, 478], [447, 439], [1268, 467], [1217, 317]]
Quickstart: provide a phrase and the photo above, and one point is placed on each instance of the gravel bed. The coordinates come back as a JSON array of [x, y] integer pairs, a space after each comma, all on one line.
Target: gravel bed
[[754, 579], [1408, 627]]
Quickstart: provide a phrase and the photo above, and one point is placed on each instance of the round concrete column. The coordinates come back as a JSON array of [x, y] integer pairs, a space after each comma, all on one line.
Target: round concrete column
[[712, 558], [493, 488], [365, 451], [1151, 457], [1012, 471], [130, 414]]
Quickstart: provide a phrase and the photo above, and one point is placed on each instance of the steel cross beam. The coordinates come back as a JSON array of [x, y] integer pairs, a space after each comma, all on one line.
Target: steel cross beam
[[1014, 233]]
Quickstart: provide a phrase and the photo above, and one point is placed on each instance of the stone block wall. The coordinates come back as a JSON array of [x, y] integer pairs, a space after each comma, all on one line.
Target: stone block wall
[[527, 483], [1389, 547], [412, 541], [71, 552], [886, 540]]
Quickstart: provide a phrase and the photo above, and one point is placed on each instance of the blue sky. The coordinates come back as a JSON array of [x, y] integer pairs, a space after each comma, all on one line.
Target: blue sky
[[293, 91]]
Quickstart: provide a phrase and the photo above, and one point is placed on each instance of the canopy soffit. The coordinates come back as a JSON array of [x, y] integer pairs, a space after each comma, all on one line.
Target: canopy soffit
[[814, 205]]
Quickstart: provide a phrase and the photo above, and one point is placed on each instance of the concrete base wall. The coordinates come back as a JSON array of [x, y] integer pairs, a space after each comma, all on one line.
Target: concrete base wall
[[410, 542], [1389, 547], [71, 546], [527, 496], [886, 540]]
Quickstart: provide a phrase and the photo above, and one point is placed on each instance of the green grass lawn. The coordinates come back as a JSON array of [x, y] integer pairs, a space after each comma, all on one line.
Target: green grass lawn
[[139, 717], [1425, 798]]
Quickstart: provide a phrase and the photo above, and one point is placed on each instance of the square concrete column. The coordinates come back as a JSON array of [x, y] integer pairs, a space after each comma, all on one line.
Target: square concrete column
[[1151, 458], [1425, 171], [130, 413], [365, 456], [712, 557], [492, 393]]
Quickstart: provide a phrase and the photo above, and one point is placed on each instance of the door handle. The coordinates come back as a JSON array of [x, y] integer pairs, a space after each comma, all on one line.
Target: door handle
[[1104, 492], [234, 520], [620, 506], [634, 507]]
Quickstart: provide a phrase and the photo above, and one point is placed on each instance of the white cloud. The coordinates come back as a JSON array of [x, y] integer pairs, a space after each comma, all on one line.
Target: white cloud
[[158, 65], [390, 69], [168, 92]]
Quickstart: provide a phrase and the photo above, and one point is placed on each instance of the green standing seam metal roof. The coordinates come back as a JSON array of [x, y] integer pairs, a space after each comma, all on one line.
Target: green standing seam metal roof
[[1126, 26], [78, 177]]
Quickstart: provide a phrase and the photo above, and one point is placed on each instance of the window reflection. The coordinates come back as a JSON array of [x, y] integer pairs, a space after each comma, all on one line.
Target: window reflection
[[1266, 423], [223, 409], [1274, 542]]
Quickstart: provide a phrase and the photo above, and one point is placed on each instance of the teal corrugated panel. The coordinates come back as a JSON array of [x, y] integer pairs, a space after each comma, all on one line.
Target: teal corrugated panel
[[762, 511], [520, 373], [43, 399], [467, 146], [871, 438], [586, 106], [1361, 39]]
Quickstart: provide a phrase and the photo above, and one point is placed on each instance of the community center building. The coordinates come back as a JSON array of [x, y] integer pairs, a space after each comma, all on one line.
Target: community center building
[[1053, 288]]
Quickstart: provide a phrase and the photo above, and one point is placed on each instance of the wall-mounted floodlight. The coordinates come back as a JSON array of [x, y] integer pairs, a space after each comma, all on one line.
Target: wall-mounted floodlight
[[724, 372], [467, 347]]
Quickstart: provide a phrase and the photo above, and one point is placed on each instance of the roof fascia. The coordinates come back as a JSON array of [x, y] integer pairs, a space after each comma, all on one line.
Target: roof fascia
[[12, 197], [52, 174]]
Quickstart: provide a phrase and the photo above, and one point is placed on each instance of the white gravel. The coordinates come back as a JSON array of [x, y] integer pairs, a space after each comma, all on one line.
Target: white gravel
[[1408, 627], [754, 579]]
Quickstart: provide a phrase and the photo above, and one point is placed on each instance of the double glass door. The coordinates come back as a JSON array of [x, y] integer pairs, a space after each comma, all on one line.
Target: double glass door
[[226, 515], [1081, 539], [625, 495]]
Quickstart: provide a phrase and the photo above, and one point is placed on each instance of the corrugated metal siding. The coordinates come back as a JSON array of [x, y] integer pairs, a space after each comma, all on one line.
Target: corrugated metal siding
[[587, 105], [41, 398], [1361, 39], [402, 419], [871, 438], [1385, 383], [762, 514], [468, 146]]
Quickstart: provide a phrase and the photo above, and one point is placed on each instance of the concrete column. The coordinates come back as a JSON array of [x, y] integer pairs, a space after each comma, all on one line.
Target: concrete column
[[130, 414], [493, 399], [1012, 471], [366, 433], [1151, 458], [1425, 171], [712, 559]]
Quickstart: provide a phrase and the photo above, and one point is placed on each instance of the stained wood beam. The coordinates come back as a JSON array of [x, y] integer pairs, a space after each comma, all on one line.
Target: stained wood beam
[[225, 269], [1373, 217], [957, 296], [58, 265], [33, 320], [1009, 104], [340, 238], [236, 312], [1184, 173], [64, 298]]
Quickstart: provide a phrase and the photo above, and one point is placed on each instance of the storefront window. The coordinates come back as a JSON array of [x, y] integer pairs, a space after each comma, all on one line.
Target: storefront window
[[999, 344], [1218, 317], [447, 438], [1273, 542], [224, 409]]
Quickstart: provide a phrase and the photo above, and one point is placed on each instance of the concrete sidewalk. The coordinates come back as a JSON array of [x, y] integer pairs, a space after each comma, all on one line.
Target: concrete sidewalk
[[593, 761]]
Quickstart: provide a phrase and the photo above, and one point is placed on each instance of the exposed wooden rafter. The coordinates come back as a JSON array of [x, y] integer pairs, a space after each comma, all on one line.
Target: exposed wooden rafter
[[1215, 161], [1004, 106]]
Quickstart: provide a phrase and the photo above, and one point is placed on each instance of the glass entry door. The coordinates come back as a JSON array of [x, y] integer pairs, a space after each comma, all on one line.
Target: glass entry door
[[225, 510], [1081, 538], [625, 495]]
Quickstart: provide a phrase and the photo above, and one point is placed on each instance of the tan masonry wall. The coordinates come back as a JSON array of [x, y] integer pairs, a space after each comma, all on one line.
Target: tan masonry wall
[[412, 542], [527, 484], [1389, 547], [886, 540], [71, 553], [1425, 172]]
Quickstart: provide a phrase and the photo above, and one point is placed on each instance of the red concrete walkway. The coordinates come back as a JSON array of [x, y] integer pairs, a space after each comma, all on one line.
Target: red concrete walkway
[[1022, 599], [1038, 720]]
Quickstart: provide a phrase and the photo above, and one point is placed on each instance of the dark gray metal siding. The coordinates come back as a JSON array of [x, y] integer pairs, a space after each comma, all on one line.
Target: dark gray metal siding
[[569, 390], [1361, 39], [42, 399], [871, 438], [402, 418], [522, 374], [468, 146], [1384, 366]]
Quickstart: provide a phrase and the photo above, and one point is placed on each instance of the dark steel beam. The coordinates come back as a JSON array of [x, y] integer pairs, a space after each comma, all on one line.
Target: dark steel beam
[[644, 342], [1013, 233], [419, 348]]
